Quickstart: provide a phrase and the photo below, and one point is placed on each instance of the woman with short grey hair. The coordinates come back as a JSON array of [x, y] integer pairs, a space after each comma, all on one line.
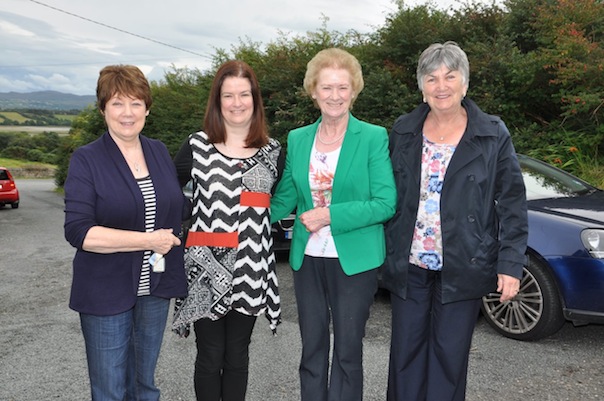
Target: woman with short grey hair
[[459, 231]]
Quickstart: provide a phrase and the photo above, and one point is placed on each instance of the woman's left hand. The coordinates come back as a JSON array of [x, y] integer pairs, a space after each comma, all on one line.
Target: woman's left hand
[[508, 286], [315, 219]]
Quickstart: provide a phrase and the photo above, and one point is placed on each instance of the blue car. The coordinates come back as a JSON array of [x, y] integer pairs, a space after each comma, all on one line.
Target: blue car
[[564, 278]]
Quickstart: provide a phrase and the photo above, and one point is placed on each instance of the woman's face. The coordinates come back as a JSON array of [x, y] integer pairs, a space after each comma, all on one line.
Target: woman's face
[[236, 102], [333, 92], [444, 89], [125, 117]]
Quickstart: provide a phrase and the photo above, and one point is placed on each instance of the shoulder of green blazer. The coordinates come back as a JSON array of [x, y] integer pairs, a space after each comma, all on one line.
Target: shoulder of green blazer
[[299, 143]]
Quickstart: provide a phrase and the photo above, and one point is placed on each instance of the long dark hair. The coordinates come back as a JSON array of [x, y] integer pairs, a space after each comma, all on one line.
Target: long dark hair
[[213, 122]]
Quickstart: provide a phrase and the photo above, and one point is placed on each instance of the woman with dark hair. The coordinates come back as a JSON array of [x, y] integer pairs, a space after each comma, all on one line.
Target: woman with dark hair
[[229, 259], [123, 214]]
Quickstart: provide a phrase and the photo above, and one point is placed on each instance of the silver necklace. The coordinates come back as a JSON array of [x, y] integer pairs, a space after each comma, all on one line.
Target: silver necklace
[[137, 166], [332, 142], [134, 163]]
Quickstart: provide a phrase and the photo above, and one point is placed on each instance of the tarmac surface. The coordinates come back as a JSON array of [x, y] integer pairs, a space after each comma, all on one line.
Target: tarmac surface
[[42, 350]]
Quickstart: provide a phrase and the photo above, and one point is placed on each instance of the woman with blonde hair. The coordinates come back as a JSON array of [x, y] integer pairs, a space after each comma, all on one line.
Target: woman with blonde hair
[[338, 177]]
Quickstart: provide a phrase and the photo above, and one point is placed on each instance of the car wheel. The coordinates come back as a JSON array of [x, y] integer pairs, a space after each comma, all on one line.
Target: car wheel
[[14, 205], [535, 313]]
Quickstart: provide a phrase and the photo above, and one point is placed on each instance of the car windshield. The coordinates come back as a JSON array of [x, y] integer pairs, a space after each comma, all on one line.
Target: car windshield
[[544, 181], [3, 175]]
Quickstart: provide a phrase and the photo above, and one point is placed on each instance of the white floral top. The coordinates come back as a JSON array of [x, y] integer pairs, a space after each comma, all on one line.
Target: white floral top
[[322, 170], [427, 245]]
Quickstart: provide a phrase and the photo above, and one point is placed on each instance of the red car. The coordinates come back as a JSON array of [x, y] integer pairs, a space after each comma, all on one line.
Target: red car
[[8, 190]]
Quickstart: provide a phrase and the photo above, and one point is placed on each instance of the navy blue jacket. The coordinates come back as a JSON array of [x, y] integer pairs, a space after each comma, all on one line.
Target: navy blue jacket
[[483, 206], [101, 190]]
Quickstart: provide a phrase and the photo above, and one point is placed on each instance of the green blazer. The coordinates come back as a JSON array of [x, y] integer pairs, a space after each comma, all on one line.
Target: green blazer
[[363, 198]]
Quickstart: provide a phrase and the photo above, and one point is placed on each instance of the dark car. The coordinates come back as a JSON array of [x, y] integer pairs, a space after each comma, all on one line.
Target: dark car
[[281, 230], [9, 194], [564, 278]]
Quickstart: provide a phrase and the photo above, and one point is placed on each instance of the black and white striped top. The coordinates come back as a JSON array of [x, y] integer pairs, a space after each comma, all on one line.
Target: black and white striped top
[[240, 278], [148, 191]]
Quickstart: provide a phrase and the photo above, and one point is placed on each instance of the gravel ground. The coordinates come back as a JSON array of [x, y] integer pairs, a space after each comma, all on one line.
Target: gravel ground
[[42, 351]]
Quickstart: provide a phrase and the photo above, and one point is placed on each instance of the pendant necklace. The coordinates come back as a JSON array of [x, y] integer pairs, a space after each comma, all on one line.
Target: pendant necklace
[[137, 166], [134, 163]]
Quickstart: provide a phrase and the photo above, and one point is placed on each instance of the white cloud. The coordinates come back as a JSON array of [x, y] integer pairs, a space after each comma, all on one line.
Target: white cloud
[[16, 85], [62, 44], [12, 29]]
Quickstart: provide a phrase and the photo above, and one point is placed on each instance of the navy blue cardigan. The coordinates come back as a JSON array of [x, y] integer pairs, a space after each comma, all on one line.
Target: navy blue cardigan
[[100, 190]]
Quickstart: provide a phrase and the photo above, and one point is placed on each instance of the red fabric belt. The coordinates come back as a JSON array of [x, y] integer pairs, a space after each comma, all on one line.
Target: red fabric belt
[[227, 240], [255, 199]]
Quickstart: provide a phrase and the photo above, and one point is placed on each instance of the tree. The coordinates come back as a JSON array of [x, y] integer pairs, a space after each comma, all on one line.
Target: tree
[[178, 106], [85, 128], [536, 63]]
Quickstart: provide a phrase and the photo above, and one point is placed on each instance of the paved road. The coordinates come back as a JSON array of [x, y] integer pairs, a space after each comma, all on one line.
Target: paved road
[[42, 353]]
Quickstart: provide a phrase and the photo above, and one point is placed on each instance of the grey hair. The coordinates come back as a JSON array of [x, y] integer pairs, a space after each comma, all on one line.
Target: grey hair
[[437, 54]]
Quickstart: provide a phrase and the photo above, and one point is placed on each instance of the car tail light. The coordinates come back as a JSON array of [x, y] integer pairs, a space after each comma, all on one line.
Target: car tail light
[[593, 240]]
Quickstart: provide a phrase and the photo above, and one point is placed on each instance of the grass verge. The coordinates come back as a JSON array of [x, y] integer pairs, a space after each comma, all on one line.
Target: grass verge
[[28, 169]]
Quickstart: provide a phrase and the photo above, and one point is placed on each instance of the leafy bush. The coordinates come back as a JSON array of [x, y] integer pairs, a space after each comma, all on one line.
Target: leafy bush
[[536, 63]]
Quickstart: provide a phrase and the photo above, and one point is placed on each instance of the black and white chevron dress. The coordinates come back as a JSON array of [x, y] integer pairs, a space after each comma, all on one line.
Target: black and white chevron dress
[[229, 260]]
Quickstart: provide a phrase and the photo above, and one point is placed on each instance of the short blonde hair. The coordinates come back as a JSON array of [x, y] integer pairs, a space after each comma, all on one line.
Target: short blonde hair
[[333, 58]]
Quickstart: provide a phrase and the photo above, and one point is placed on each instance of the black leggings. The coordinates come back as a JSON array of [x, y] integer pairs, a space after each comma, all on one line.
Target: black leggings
[[221, 367]]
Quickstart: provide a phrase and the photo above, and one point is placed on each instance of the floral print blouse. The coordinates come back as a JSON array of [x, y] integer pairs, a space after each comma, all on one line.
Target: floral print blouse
[[427, 245], [322, 170]]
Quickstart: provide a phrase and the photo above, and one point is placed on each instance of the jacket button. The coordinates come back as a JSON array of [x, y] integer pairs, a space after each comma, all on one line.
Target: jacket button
[[471, 219], [473, 261], [471, 177]]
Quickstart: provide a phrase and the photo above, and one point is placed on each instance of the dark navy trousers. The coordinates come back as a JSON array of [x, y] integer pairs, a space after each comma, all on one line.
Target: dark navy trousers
[[430, 341], [323, 290]]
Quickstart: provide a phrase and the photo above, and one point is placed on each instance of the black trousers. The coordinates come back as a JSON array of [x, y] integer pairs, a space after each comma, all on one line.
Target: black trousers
[[430, 342], [324, 291], [222, 364]]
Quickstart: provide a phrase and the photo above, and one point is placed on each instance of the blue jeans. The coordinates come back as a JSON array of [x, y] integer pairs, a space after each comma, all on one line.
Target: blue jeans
[[122, 350]]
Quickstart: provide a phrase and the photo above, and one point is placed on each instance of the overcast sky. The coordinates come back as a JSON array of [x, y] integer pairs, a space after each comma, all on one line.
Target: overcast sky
[[62, 44]]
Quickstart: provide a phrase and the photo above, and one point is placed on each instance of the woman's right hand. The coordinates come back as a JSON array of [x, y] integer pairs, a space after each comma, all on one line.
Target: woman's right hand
[[163, 240], [315, 219]]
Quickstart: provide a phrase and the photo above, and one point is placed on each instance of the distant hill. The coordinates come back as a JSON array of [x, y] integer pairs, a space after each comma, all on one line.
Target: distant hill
[[44, 100]]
